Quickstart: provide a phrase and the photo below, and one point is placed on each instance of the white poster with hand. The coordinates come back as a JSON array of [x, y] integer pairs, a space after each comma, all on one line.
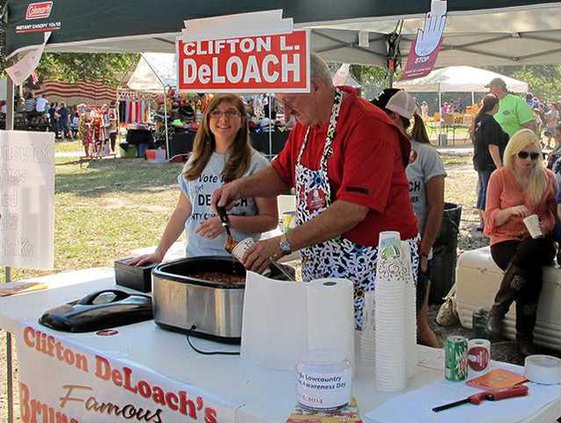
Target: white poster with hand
[[429, 36], [424, 49]]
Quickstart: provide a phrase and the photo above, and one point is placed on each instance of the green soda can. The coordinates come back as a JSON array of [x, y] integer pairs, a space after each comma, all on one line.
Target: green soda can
[[456, 358], [479, 322]]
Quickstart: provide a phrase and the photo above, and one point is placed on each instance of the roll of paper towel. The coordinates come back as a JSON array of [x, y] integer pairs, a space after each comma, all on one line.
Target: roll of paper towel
[[282, 320]]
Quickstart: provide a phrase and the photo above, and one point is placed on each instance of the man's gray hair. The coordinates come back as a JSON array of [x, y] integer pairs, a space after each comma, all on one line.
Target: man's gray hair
[[319, 70]]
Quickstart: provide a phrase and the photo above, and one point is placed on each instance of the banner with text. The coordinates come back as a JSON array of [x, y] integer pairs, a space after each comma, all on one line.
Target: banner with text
[[425, 48], [264, 63], [27, 199], [61, 381]]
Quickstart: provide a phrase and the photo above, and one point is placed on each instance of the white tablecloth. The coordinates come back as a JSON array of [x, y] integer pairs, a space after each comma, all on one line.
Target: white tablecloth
[[239, 392]]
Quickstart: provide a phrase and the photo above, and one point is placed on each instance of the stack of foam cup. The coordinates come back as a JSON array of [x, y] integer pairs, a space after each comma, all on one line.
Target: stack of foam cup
[[367, 336], [394, 314], [410, 312]]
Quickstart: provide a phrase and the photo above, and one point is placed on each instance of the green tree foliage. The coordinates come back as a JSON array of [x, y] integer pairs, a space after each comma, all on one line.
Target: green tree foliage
[[72, 67], [542, 79]]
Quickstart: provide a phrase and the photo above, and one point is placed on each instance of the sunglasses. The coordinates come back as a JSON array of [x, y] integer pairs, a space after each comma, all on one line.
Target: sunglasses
[[525, 154]]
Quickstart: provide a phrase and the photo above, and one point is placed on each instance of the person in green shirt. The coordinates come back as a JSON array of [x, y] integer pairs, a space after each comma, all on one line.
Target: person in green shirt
[[514, 113]]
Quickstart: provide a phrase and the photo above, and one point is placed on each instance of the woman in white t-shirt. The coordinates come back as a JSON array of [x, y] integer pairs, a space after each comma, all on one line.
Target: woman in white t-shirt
[[221, 153], [425, 174]]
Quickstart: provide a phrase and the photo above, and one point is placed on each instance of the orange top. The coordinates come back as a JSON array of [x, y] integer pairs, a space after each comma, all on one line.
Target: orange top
[[503, 192]]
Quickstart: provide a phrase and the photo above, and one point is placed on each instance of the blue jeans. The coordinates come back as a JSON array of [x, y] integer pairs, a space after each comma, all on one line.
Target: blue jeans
[[482, 182]]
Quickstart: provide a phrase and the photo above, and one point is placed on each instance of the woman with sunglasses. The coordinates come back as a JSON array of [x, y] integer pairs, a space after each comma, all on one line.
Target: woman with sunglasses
[[521, 188], [221, 153]]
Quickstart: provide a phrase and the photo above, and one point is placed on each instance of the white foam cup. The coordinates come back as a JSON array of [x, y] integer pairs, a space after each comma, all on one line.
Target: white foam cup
[[532, 223]]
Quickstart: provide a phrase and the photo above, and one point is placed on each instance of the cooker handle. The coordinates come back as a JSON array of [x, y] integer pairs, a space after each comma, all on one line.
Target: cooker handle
[[90, 298]]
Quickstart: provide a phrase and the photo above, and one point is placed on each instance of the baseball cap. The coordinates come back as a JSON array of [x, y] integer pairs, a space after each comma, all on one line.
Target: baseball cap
[[496, 82], [397, 101]]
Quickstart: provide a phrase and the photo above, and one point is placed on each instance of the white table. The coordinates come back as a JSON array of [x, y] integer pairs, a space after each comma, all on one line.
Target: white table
[[248, 393]]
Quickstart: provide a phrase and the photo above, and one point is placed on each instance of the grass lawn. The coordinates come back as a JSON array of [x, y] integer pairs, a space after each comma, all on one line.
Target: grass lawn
[[68, 146]]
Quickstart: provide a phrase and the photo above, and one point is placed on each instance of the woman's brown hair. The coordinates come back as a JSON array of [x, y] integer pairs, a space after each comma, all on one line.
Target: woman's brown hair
[[239, 154], [487, 104], [419, 131]]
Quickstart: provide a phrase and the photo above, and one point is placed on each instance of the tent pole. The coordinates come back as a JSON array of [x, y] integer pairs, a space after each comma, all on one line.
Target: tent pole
[[440, 110], [9, 361], [166, 124], [472, 98], [270, 133]]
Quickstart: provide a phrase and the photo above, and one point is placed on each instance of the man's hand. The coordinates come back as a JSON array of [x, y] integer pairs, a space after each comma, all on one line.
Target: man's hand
[[259, 256], [226, 195]]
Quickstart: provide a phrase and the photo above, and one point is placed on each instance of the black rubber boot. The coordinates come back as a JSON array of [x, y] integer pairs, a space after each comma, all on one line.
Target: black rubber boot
[[512, 283], [525, 323]]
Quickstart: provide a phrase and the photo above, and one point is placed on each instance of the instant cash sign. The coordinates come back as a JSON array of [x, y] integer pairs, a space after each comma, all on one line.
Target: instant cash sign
[[276, 62]]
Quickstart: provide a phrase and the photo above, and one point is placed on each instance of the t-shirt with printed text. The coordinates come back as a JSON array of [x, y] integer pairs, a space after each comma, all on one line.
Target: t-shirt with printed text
[[424, 164], [199, 192]]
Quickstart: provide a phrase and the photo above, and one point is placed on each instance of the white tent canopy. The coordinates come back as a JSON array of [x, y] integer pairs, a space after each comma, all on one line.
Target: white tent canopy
[[514, 36], [459, 79], [154, 72]]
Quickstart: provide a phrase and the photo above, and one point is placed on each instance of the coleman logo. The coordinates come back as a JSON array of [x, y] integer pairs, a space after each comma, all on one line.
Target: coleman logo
[[39, 10]]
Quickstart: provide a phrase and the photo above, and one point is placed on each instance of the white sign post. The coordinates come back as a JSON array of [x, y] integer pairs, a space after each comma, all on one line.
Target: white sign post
[[27, 199]]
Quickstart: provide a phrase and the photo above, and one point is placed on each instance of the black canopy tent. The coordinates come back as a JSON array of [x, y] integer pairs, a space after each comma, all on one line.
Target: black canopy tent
[[479, 32]]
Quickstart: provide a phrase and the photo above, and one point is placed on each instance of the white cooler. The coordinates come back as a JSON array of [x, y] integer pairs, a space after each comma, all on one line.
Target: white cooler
[[478, 279]]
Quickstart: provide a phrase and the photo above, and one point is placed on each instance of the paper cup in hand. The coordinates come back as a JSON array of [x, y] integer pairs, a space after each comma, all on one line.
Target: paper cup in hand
[[532, 222]]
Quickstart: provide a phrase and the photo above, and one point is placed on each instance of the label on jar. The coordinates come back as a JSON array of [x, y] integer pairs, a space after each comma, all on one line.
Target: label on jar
[[479, 354], [318, 390]]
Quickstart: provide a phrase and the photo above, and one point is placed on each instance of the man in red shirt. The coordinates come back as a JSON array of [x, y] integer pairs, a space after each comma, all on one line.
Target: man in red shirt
[[346, 161]]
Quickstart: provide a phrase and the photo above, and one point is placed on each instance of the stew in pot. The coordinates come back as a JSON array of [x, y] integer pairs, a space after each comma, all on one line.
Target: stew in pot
[[226, 278]]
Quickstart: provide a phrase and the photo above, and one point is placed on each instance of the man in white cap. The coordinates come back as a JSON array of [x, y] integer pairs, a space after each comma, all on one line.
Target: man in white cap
[[514, 113]]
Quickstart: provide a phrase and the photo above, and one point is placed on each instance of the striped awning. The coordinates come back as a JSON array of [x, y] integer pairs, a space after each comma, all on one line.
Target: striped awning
[[94, 92]]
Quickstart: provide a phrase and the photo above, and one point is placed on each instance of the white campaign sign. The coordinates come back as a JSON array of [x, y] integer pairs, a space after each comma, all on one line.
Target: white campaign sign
[[63, 381], [27, 199]]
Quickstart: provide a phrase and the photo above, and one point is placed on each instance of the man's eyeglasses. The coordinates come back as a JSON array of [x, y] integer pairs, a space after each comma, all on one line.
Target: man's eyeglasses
[[230, 114], [525, 154], [287, 101]]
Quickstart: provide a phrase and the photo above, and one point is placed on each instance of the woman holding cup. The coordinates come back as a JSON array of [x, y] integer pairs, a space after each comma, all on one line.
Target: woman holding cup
[[519, 217]]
